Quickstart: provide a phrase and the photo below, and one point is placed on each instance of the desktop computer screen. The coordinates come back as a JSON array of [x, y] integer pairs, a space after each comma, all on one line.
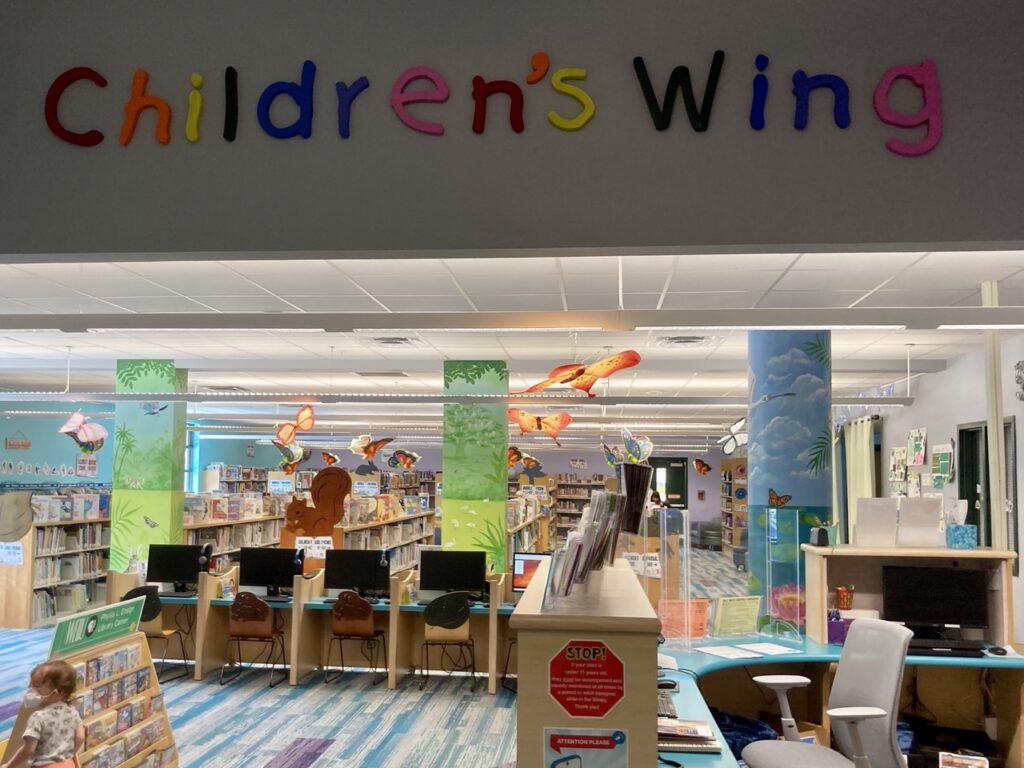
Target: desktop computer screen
[[358, 569], [935, 597], [524, 566], [177, 564], [453, 572], [274, 569]]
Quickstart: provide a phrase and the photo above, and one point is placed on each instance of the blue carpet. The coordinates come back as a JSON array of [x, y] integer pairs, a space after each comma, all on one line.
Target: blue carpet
[[351, 723]]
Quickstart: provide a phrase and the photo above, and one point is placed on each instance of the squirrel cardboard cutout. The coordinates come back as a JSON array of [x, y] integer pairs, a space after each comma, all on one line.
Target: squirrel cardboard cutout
[[329, 489]]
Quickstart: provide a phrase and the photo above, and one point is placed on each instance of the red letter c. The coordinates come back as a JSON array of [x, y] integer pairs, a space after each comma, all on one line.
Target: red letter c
[[61, 84]]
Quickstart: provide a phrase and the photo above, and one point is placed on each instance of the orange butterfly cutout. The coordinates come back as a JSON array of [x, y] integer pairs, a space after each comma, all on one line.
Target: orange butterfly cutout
[[330, 459], [583, 377], [549, 425], [775, 501], [701, 466], [304, 421], [367, 448]]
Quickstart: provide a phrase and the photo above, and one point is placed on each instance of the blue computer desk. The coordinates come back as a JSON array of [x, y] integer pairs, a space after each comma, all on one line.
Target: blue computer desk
[[951, 688]]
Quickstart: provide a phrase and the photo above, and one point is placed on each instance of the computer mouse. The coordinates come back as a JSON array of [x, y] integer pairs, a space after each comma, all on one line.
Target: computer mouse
[[997, 650], [667, 685]]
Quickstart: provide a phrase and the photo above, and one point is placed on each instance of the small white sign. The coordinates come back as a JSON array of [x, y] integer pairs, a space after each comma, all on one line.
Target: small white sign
[[577, 463], [11, 553], [314, 547], [650, 565], [585, 748]]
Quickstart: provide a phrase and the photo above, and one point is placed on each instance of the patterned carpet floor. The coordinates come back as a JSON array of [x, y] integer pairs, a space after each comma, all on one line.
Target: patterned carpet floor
[[351, 723]]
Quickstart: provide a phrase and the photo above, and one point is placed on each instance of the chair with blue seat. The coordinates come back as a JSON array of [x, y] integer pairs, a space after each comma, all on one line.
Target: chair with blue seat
[[863, 705]]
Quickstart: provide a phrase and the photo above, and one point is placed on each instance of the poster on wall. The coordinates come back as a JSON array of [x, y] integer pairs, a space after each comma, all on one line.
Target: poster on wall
[[898, 464], [18, 442], [585, 748], [85, 466], [916, 443], [942, 461], [577, 463], [913, 485]]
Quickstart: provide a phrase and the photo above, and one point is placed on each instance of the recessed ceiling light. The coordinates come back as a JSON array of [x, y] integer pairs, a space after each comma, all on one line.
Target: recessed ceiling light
[[383, 374], [395, 341]]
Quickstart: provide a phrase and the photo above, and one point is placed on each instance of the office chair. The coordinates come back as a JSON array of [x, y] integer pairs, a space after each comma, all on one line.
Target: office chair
[[446, 625], [251, 619], [863, 705], [352, 619], [152, 625]]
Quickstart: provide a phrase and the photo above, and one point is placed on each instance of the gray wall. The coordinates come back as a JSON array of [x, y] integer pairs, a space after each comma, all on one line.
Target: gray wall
[[617, 184], [957, 396]]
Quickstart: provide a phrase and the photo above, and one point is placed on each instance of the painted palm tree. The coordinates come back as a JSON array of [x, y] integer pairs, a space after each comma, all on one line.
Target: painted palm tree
[[124, 446]]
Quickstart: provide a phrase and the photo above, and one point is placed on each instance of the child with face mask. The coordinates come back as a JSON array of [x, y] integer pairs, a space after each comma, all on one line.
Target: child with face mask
[[54, 732]]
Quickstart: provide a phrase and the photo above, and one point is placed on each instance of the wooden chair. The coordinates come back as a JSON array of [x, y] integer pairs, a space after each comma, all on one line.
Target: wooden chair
[[446, 625], [352, 619], [251, 619], [152, 625]]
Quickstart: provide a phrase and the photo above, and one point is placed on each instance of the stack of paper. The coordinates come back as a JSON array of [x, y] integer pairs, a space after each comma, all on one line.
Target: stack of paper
[[686, 736]]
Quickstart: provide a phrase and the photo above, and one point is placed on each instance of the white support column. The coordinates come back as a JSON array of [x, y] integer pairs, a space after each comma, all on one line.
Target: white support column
[[994, 405]]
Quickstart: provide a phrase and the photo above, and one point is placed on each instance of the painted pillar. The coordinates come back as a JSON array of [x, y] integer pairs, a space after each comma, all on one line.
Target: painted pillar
[[475, 460], [149, 462], [789, 463]]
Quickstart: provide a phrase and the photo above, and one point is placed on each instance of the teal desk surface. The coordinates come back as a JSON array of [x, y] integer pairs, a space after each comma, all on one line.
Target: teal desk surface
[[319, 605], [179, 600], [698, 664], [505, 609], [226, 601]]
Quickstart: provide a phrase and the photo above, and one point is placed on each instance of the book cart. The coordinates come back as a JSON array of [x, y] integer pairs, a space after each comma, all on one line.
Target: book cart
[[118, 694]]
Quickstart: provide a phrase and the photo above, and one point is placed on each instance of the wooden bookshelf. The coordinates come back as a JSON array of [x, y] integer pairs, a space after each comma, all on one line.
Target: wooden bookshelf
[[733, 503]]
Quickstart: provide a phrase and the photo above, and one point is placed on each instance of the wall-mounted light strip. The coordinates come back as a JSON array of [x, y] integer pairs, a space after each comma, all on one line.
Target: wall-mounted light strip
[[983, 327]]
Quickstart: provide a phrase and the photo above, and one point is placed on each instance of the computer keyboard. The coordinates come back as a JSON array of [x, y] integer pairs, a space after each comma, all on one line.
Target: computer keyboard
[[177, 594], [949, 645], [278, 598], [666, 707]]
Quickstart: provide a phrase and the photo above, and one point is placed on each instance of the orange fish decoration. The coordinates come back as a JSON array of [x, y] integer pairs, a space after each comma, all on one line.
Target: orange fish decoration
[[583, 377], [775, 501], [367, 448], [404, 459], [330, 459], [514, 455], [701, 466], [529, 462], [549, 425], [304, 421]]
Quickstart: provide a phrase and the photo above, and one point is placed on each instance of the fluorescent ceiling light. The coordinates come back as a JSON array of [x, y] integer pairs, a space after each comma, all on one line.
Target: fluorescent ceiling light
[[983, 327], [771, 327], [221, 329], [524, 329]]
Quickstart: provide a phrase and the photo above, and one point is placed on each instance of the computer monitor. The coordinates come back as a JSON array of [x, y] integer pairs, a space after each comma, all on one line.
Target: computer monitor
[[358, 569], [274, 569], [453, 571], [177, 564], [935, 598], [524, 566]]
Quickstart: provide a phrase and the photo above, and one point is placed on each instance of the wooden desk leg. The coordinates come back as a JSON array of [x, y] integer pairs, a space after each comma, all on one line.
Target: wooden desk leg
[[1008, 696]]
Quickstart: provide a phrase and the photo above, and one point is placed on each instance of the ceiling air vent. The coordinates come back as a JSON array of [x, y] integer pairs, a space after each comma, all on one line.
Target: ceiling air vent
[[395, 341], [680, 341]]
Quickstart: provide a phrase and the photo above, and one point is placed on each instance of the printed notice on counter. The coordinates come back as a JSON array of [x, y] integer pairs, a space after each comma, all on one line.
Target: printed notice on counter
[[736, 616], [585, 748]]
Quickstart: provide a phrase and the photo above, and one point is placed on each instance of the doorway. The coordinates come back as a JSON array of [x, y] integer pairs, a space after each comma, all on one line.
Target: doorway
[[973, 485]]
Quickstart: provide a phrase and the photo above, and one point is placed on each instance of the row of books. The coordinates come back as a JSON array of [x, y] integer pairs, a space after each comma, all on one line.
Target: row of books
[[70, 507], [122, 698], [214, 507], [402, 558], [133, 743], [571, 478], [85, 565], [235, 472], [256, 534], [408, 479], [523, 540], [387, 536], [69, 598], [51, 540]]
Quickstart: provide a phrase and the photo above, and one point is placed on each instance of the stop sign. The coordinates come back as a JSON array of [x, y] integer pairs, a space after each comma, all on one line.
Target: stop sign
[[585, 678]]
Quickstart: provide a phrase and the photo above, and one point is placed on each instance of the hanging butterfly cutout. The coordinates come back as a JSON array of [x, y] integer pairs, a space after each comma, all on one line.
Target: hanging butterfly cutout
[[330, 459], [292, 454], [549, 425], [638, 449], [775, 500], [701, 466], [737, 437], [304, 421], [152, 409], [366, 448], [404, 459], [514, 455], [583, 377], [612, 455], [88, 436]]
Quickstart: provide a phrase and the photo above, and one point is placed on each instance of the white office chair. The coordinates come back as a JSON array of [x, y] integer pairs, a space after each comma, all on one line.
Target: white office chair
[[863, 705]]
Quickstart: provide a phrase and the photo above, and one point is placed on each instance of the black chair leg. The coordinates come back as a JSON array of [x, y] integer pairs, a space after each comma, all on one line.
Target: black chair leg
[[472, 662], [384, 645], [504, 672], [273, 664], [327, 664], [424, 660], [230, 663]]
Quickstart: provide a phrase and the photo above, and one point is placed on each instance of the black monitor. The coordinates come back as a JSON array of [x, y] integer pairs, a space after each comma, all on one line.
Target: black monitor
[[177, 564], [274, 569], [935, 598], [442, 571], [358, 569]]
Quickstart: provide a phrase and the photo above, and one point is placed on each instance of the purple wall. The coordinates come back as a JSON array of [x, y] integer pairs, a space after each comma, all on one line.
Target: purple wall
[[709, 508]]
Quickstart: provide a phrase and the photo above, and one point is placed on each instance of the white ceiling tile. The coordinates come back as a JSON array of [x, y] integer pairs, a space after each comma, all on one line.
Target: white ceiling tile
[[972, 259], [274, 268], [70, 272], [246, 304], [660, 264], [360, 303], [1011, 297], [116, 287], [592, 301], [298, 284], [590, 265], [454, 303], [12, 307], [641, 300], [399, 284], [513, 303], [711, 300], [855, 262], [159, 304], [387, 266], [740, 280], [735, 261], [967, 277], [801, 299], [641, 282], [597, 282], [74, 306], [908, 298], [503, 266], [825, 280], [33, 288], [488, 284]]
